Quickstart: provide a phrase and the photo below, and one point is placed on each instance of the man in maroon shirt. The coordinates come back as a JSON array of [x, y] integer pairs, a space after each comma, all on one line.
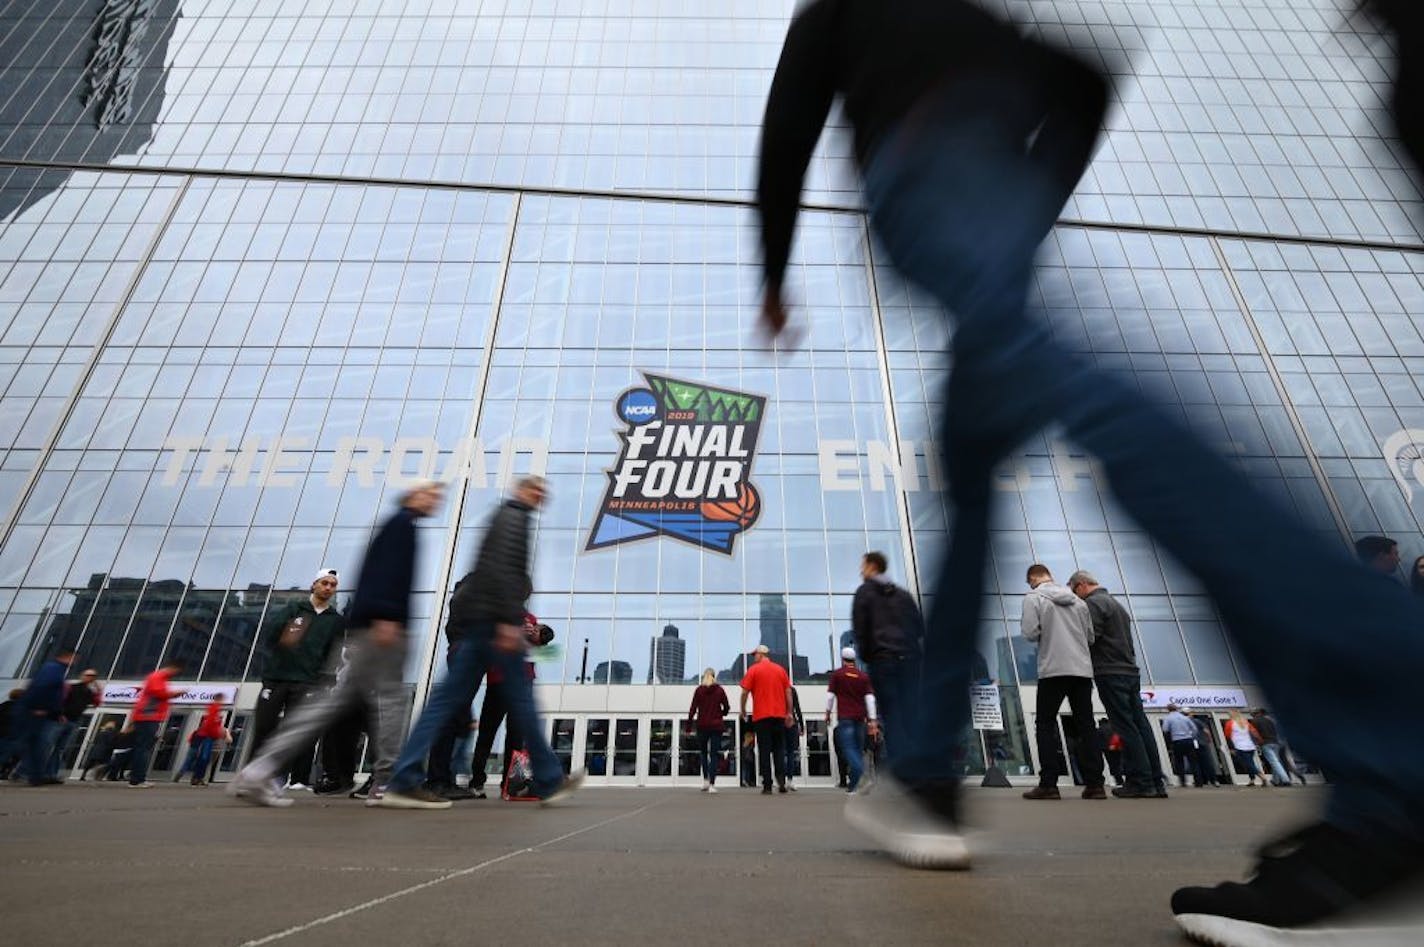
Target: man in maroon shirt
[[850, 697], [769, 687]]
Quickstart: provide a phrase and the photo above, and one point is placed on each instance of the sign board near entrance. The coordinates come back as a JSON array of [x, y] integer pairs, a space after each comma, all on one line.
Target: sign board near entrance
[[1194, 698], [126, 692], [984, 707]]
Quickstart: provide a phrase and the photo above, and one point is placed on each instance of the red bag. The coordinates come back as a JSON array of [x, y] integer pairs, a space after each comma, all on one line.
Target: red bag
[[519, 784]]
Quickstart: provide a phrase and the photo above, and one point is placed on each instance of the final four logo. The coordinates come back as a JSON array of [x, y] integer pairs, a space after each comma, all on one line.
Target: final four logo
[[685, 468]]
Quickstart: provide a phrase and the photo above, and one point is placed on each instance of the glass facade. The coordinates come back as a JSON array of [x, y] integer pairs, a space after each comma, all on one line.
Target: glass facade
[[261, 265]]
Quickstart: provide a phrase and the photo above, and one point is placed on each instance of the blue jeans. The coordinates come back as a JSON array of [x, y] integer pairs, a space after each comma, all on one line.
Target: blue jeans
[[200, 754], [850, 740], [709, 752], [1121, 695], [961, 206], [896, 684], [1272, 753], [36, 741], [472, 658], [145, 736], [63, 731]]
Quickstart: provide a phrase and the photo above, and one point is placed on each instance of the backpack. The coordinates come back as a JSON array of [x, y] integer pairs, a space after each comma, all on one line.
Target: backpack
[[912, 623]]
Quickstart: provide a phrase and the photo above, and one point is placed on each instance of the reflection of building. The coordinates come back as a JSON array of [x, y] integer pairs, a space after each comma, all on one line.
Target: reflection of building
[[779, 634], [667, 658], [613, 672], [94, 91], [123, 626]]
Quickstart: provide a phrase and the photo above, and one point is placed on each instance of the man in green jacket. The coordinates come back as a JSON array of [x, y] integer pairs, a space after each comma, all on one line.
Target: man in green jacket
[[298, 640]]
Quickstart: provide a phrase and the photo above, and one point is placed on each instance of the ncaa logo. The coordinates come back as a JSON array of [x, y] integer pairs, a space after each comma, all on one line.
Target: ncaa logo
[[638, 406]]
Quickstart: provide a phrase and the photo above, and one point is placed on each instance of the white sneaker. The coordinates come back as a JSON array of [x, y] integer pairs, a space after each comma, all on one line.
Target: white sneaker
[[905, 827], [298, 787], [144, 785], [705, 784], [567, 788], [711, 788], [374, 797], [258, 791]]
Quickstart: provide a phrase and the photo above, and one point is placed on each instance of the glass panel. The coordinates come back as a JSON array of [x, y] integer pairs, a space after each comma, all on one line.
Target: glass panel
[[660, 747], [595, 746], [563, 742], [625, 748]]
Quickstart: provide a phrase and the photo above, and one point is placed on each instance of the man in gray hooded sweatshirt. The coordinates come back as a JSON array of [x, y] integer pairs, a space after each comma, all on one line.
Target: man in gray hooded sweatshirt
[[1063, 627]]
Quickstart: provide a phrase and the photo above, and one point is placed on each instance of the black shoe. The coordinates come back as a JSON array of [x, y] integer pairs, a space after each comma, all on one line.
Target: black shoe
[[1132, 792], [1043, 792], [477, 792], [766, 790], [365, 791], [457, 793], [1314, 875], [782, 789], [333, 787]]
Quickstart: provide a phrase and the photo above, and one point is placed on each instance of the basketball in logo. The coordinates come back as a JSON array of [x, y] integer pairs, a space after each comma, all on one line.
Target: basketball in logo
[[743, 510]]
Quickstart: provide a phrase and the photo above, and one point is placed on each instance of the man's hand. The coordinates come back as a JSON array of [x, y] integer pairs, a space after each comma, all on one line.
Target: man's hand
[[775, 321], [791, 720], [385, 634], [509, 638], [828, 716], [873, 727]]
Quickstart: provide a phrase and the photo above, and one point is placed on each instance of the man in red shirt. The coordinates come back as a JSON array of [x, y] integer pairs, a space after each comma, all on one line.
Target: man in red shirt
[[769, 687], [150, 710], [849, 695]]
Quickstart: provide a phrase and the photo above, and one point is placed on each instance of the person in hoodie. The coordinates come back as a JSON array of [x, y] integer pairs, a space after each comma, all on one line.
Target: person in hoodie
[[888, 628], [299, 640], [1063, 627], [40, 716], [376, 651]]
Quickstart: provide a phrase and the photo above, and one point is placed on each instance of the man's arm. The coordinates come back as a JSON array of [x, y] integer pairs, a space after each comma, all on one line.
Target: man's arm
[[1089, 626], [796, 109], [509, 552], [1030, 624]]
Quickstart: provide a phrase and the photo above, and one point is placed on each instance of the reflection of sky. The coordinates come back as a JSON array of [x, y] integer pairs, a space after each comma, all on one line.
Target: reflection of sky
[[1267, 122]]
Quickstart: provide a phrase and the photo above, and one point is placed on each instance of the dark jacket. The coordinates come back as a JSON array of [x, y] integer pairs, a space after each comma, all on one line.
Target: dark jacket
[[46, 691], [709, 706], [882, 57], [299, 641], [800, 724], [7, 717], [387, 574], [885, 621], [500, 584], [80, 698], [1111, 649], [1266, 727]]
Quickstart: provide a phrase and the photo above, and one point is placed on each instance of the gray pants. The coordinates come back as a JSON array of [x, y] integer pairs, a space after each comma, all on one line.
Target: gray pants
[[374, 678]]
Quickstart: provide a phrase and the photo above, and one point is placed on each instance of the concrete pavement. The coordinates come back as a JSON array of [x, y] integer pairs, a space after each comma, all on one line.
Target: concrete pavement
[[181, 865]]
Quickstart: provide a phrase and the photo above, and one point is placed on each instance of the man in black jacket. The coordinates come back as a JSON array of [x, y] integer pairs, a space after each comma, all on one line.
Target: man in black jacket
[[299, 639], [376, 651], [1120, 689], [85, 693], [887, 627], [486, 630]]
